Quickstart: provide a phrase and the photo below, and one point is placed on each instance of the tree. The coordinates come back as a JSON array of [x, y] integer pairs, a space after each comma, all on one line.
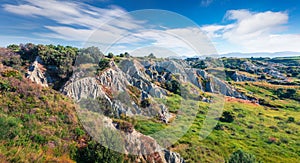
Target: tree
[[227, 117], [90, 54], [291, 92], [151, 55], [126, 54], [173, 86], [14, 47], [240, 156], [103, 64], [110, 55]]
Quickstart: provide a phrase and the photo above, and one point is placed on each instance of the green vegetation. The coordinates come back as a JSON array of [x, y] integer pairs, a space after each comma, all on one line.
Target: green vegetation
[[40, 125], [240, 156], [259, 131]]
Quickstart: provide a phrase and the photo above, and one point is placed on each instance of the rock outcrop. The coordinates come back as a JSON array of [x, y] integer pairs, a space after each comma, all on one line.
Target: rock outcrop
[[129, 141], [36, 73], [241, 77]]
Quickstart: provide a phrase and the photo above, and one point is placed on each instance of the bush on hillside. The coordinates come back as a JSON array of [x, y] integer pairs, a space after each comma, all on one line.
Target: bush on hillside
[[240, 156]]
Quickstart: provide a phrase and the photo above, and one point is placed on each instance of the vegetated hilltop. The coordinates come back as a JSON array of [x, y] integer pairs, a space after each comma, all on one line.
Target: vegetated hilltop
[[166, 99]]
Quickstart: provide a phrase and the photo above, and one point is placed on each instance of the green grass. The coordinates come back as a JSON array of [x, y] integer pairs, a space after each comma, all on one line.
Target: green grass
[[258, 130]]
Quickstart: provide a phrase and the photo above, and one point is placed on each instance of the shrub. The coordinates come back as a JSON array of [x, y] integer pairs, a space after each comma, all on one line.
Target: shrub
[[103, 64], [94, 152], [240, 156], [79, 131], [219, 127], [227, 116], [145, 103], [4, 85], [290, 119], [284, 140], [39, 139], [11, 73], [173, 86], [110, 55], [274, 128]]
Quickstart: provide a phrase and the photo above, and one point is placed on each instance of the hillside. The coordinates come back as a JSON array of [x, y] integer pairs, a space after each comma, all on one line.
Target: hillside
[[57, 103]]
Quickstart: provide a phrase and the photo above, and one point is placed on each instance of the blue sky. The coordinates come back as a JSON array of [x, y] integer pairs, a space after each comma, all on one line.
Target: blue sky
[[189, 28]]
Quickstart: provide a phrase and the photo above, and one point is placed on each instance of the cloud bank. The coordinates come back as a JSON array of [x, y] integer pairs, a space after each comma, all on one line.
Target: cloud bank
[[114, 29], [254, 32]]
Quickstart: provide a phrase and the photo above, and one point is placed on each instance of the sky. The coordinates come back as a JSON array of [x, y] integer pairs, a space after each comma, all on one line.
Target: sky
[[162, 27]]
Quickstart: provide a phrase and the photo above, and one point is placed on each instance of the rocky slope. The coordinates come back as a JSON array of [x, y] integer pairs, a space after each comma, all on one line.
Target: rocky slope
[[119, 89]]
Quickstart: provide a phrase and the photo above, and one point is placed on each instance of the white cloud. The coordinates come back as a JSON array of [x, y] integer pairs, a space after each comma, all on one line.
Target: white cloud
[[254, 32], [110, 28], [206, 3]]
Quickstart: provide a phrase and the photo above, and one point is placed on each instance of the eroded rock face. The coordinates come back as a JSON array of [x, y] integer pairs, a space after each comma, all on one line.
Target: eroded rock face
[[172, 157], [135, 143], [37, 74], [240, 77], [216, 85], [84, 88]]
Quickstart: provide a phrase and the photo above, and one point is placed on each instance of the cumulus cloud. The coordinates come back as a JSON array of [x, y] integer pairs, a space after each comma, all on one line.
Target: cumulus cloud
[[254, 32]]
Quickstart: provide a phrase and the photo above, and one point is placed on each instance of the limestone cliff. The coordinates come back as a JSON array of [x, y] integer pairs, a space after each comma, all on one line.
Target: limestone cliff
[[36, 73]]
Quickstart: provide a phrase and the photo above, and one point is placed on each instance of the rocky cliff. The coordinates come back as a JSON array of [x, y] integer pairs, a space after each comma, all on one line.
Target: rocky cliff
[[120, 89], [37, 73]]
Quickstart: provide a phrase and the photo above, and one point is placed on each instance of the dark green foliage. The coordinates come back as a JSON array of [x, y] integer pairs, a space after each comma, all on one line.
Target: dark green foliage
[[10, 127], [291, 119], [95, 153], [233, 63], [12, 62], [240, 156], [201, 64], [288, 93], [126, 54], [145, 103], [62, 57], [79, 131], [103, 64], [9, 57], [173, 86], [219, 127], [110, 55], [89, 55], [227, 117], [4, 86], [14, 47], [28, 51], [39, 139], [151, 55]]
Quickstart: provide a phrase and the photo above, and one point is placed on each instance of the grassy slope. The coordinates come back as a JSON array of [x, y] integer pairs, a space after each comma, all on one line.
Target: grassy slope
[[259, 130], [37, 124]]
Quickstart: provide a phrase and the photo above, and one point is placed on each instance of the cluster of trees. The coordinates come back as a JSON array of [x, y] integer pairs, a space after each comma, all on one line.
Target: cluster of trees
[[288, 93]]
